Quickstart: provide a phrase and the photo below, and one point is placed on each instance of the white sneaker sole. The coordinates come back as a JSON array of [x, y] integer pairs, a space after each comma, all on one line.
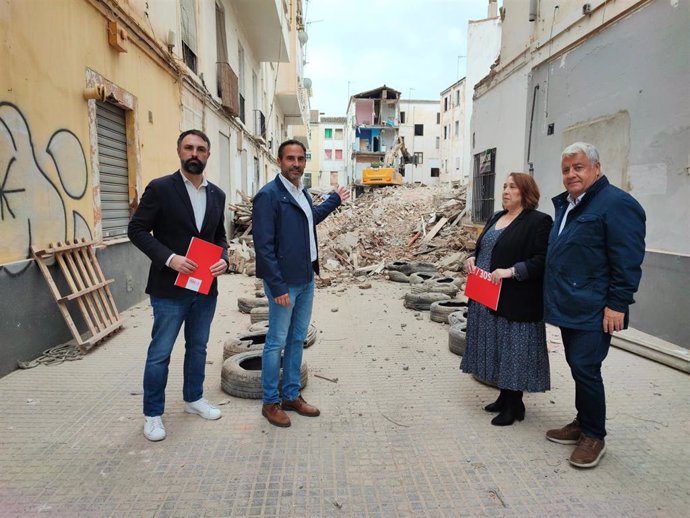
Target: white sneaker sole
[[196, 412], [154, 439]]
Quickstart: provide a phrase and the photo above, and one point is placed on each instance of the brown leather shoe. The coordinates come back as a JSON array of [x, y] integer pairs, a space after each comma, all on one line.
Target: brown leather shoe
[[569, 434], [588, 452], [300, 406], [275, 415]]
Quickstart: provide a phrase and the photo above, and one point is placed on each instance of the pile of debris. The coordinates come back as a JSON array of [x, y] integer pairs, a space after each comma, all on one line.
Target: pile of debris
[[388, 224]]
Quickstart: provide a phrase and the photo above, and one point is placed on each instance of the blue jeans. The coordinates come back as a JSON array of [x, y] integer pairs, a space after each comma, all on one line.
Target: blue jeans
[[287, 330], [585, 351], [196, 311]]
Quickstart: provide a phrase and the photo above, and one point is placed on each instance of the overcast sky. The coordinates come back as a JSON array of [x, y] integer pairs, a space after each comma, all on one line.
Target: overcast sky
[[410, 45]]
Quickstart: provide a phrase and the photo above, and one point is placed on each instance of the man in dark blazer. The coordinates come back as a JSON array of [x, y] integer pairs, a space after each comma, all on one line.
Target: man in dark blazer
[[593, 269], [284, 222], [172, 210]]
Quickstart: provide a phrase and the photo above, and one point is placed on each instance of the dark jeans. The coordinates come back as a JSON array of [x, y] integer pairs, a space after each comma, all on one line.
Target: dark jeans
[[196, 312], [585, 351]]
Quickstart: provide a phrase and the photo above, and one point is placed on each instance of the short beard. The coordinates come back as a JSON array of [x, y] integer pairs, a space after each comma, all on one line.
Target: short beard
[[193, 166]]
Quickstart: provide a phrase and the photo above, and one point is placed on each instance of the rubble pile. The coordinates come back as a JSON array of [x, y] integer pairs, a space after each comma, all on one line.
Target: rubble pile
[[406, 223], [388, 224]]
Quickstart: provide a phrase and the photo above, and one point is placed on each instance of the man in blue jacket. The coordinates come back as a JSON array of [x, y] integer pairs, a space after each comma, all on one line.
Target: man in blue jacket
[[593, 269], [284, 230]]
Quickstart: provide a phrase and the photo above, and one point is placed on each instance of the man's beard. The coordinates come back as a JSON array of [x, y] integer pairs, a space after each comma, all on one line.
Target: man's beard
[[193, 166]]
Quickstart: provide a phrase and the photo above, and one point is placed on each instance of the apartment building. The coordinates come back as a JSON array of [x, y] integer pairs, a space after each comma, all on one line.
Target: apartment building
[[326, 164], [420, 123], [596, 72], [371, 128], [94, 95], [453, 135]]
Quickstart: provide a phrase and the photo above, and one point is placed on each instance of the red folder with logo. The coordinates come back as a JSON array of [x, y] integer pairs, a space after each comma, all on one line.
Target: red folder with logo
[[480, 288], [204, 254]]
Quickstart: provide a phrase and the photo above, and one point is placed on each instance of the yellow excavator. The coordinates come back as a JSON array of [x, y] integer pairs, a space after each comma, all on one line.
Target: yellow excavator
[[391, 170]]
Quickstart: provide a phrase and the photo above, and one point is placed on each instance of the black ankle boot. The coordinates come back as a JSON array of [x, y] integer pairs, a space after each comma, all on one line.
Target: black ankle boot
[[497, 405], [513, 408]]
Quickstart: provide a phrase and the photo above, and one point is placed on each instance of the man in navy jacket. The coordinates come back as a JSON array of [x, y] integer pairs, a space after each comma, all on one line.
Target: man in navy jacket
[[593, 269], [284, 231], [172, 210]]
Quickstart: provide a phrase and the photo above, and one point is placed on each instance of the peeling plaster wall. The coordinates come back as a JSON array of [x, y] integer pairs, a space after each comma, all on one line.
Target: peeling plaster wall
[[625, 90]]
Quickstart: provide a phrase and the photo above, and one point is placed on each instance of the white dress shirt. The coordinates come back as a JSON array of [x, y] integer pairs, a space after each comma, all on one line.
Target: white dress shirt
[[197, 197], [571, 205], [298, 194]]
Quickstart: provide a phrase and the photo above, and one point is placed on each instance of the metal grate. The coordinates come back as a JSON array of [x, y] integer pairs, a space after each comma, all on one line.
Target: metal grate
[[483, 185], [113, 168]]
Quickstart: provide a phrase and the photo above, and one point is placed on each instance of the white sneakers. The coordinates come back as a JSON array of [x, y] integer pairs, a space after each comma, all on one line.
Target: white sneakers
[[203, 408], [153, 426], [154, 429]]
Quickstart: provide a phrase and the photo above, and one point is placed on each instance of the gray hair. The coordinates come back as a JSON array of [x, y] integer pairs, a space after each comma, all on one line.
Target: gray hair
[[582, 147]]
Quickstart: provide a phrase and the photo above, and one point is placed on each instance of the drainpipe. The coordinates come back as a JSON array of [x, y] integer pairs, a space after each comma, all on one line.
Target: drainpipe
[[531, 122], [533, 9]]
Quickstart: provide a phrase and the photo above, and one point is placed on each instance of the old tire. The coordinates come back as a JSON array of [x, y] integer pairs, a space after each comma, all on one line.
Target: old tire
[[411, 267], [457, 317], [441, 309], [397, 276], [423, 301], [258, 314], [241, 375], [456, 339], [484, 382], [246, 304], [420, 277], [252, 341], [308, 342]]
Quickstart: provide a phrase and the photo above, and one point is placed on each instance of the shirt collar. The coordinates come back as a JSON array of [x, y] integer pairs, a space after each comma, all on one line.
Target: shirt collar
[[186, 180], [289, 185], [576, 200]]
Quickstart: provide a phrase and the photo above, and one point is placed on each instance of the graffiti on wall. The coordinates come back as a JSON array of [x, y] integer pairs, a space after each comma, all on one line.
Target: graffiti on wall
[[42, 187]]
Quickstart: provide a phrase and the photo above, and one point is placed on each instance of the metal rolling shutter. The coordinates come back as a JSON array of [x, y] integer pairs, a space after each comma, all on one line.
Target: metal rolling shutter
[[112, 163]]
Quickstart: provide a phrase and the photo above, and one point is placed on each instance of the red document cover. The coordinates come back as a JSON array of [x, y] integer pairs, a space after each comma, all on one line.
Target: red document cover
[[204, 254], [480, 288]]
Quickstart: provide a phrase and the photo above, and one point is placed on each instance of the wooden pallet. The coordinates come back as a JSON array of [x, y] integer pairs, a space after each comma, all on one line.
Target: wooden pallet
[[89, 289]]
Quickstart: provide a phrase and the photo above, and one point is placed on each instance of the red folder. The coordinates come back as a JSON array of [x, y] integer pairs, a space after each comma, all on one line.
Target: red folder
[[480, 288], [204, 254]]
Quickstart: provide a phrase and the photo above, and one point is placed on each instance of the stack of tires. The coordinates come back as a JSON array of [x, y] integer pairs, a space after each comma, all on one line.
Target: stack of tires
[[442, 309], [241, 372], [457, 331], [428, 290]]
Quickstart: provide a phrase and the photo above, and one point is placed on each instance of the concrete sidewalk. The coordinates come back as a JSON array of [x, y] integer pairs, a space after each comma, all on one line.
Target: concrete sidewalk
[[402, 432]]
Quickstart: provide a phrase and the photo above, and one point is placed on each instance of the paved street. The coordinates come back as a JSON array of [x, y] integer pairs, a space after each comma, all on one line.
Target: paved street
[[402, 431]]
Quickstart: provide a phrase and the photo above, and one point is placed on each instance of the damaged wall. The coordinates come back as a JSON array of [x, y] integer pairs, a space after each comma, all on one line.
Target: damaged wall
[[625, 91]]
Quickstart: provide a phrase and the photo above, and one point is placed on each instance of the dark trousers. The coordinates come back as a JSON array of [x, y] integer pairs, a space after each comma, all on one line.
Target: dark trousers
[[585, 351]]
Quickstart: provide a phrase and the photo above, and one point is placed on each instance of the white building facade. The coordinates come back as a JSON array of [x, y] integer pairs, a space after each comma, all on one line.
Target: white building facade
[[452, 132], [420, 121], [326, 165]]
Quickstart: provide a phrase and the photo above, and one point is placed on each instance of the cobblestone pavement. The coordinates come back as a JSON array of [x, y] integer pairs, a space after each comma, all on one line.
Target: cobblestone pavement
[[402, 431]]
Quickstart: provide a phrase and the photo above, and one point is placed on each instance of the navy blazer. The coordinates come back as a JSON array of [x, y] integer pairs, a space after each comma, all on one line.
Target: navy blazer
[[164, 224], [596, 261], [281, 236], [524, 243]]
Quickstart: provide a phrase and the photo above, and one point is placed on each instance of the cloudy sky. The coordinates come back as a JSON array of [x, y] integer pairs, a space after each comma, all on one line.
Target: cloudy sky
[[410, 45]]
